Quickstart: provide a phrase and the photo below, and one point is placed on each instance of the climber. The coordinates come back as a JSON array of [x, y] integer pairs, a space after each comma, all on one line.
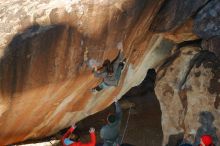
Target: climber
[[109, 71], [206, 140], [70, 139], [110, 132]]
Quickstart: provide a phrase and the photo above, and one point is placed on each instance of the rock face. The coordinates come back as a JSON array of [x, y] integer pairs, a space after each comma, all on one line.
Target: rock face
[[46, 47], [212, 45], [174, 13], [209, 18], [45, 81], [188, 90]]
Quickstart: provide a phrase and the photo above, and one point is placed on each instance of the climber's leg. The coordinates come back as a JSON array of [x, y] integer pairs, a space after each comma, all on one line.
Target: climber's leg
[[100, 87], [119, 70]]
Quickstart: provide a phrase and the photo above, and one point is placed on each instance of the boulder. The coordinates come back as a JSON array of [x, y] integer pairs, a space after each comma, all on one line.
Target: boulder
[[188, 91], [45, 80], [206, 21], [173, 13]]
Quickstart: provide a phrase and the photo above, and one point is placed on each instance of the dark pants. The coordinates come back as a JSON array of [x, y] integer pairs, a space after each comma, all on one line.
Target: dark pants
[[101, 86]]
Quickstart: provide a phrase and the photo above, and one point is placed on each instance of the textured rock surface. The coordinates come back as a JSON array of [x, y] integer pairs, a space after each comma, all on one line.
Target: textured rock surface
[[182, 33], [207, 21], [45, 83], [174, 13], [212, 45], [45, 47], [187, 86]]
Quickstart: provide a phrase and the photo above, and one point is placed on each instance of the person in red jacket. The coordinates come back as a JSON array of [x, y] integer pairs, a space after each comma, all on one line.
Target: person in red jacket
[[70, 139], [206, 140]]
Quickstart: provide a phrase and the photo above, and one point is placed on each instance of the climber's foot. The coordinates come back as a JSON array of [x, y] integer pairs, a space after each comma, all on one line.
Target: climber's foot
[[94, 91], [122, 64]]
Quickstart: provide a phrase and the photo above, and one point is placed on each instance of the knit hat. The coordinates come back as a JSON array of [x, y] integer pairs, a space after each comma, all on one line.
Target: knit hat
[[111, 118], [207, 140]]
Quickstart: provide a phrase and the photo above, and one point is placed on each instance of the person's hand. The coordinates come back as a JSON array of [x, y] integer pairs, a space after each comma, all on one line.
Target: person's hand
[[95, 67], [120, 49], [91, 130], [116, 99], [74, 126]]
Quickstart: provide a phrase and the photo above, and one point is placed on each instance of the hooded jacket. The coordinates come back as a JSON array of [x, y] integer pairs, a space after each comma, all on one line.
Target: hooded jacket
[[111, 80], [79, 143], [110, 132]]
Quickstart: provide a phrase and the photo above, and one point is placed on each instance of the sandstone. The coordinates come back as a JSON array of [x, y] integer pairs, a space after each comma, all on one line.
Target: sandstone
[[183, 89], [47, 48], [182, 33], [212, 45], [45, 81], [173, 13], [206, 23]]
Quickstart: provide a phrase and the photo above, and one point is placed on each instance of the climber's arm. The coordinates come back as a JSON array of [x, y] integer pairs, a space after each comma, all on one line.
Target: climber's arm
[[99, 73], [92, 138], [117, 60], [118, 110], [69, 131]]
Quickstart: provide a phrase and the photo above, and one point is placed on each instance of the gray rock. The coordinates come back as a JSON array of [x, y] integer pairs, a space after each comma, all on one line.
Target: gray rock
[[212, 45], [207, 21], [173, 13]]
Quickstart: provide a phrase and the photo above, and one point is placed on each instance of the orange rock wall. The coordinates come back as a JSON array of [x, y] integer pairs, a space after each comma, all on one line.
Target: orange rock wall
[[45, 82], [45, 47]]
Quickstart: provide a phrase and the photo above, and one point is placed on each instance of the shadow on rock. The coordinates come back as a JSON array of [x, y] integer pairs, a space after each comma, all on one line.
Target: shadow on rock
[[148, 85]]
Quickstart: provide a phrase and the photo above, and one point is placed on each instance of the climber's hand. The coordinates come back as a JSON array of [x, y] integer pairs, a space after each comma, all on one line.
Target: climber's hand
[[74, 126], [91, 130], [95, 68], [120, 49], [116, 100]]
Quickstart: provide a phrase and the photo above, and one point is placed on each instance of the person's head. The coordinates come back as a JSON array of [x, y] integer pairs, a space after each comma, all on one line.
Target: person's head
[[74, 137], [106, 62], [109, 67], [206, 118], [206, 140], [111, 118]]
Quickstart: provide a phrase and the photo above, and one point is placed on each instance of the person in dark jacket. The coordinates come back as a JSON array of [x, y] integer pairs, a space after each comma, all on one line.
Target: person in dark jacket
[[110, 72], [70, 139], [110, 133]]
